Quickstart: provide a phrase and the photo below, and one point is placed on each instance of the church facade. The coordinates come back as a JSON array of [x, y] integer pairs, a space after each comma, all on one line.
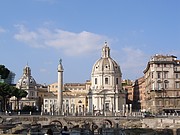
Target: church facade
[[27, 83], [106, 93]]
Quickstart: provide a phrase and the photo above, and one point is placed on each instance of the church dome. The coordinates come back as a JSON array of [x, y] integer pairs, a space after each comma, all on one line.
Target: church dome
[[104, 65], [106, 72], [26, 81]]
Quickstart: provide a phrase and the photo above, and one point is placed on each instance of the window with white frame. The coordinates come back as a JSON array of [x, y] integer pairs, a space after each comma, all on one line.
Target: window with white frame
[[166, 84], [177, 85], [159, 85], [165, 74]]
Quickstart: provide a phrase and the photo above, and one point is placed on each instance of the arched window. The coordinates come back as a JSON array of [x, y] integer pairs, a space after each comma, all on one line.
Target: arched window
[[106, 80]]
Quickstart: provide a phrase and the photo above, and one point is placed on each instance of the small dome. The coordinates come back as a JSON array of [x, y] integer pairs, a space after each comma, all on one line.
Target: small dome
[[26, 81], [106, 63]]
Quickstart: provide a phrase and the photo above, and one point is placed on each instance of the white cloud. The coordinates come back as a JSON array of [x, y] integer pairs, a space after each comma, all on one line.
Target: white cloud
[[71, 43], [133, 57], [2, 30], [133, 62]]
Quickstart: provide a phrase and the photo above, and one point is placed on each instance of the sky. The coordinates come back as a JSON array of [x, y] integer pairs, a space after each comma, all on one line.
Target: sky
[[40, 32]]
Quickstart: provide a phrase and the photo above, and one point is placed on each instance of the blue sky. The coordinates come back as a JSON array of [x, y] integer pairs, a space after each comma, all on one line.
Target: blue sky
[[40, 32]]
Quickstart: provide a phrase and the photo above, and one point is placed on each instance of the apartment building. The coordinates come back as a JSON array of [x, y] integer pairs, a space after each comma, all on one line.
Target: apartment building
[[139, 94], [162, 84]]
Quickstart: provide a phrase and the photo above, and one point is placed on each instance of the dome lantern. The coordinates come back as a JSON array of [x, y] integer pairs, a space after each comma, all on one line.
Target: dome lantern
[[105, 51], [26, 81]]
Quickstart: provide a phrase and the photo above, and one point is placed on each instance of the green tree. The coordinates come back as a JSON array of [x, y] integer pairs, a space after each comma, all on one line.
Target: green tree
[[19, 94], [4, 72], [6, 92]]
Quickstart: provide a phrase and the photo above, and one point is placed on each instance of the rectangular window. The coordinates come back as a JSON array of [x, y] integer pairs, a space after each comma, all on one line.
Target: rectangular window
[[160, 102], [95, 80], [178, 102], [31, 94], [167, 103], [107, 106], [177, 75], [153, 86], [166, 84], [116, 80], [165, 74], [177, 85], [159, 86], [158, 74], [106, 80]]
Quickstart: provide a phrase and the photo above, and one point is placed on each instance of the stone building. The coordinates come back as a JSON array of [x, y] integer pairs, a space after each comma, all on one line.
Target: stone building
[[138, 94], [42, 92], [106, 93], [128, 87], [53, 88], [162, 80], [77, 87], [73, 104], [27, 83], [74, 98], [70, 87]]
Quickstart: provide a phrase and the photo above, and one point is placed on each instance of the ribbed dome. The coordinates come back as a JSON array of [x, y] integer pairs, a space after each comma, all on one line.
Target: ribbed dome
[[26, 81], [106, 63]]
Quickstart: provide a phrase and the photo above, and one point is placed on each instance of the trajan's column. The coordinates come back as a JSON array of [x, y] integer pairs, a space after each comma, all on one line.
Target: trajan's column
[[60, 87]]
